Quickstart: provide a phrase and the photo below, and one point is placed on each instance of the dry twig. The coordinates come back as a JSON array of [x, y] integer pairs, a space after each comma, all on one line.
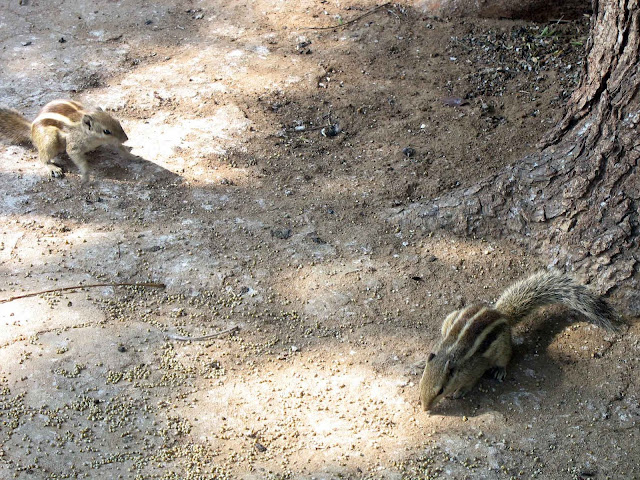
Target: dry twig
[[180, 338], [92, 285], [353, 20]]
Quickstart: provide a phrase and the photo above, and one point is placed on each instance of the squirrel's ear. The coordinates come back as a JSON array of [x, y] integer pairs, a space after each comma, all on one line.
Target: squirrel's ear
[[88, 121]]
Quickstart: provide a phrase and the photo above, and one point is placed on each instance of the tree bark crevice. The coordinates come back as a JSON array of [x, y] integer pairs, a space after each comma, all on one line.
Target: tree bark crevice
[[613, 50]]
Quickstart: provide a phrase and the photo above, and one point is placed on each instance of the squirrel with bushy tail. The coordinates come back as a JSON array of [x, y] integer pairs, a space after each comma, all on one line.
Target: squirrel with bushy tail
[[478, 338]]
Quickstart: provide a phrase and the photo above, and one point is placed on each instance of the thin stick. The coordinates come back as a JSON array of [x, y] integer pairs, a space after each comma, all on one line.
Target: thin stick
[[77, 287], [307, 129], [368, 12], [180, 338]]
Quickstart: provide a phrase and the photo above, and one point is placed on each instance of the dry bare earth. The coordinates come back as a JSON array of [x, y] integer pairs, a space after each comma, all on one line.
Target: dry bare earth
[[253, 218]]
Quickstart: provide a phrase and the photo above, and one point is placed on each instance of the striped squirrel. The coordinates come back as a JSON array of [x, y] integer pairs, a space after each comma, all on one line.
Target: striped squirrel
[[63, 125], [478, 338]]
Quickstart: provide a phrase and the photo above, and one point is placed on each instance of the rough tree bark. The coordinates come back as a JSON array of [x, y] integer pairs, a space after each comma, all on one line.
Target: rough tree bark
[[576, 201]]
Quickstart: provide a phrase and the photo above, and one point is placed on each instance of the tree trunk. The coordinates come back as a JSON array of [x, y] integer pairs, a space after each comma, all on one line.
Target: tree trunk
[[575, 202]]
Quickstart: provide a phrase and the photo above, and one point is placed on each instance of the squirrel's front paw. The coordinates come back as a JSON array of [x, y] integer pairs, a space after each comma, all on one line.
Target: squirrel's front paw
[[499, 373], [55, 171]]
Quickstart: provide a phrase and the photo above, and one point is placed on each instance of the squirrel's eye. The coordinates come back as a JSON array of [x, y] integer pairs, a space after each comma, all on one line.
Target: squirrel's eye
[[441, 391], [431, 355], [107, 132]]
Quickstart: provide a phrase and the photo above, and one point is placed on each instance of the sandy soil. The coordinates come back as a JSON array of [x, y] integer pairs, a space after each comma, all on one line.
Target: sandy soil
[[254, 217]]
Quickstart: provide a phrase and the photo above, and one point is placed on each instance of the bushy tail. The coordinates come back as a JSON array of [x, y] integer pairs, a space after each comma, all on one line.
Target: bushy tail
[[14, 128], [552, 287]]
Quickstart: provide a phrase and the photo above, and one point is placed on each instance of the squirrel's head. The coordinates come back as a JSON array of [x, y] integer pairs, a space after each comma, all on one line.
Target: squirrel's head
[[473, 338], [105, 127], [438, 379]]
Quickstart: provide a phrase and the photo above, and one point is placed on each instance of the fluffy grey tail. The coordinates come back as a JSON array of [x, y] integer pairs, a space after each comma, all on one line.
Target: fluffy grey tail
[[14, 128], [552, 287]]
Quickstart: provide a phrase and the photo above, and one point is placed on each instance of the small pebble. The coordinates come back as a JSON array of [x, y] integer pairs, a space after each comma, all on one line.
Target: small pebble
[[408, 152], [282, 234], [331, 130]]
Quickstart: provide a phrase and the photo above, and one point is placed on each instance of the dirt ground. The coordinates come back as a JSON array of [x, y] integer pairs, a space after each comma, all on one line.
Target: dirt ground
[[270, 156]]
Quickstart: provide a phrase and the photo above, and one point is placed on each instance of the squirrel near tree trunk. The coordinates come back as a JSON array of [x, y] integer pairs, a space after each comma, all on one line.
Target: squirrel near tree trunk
[[478, 338]]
